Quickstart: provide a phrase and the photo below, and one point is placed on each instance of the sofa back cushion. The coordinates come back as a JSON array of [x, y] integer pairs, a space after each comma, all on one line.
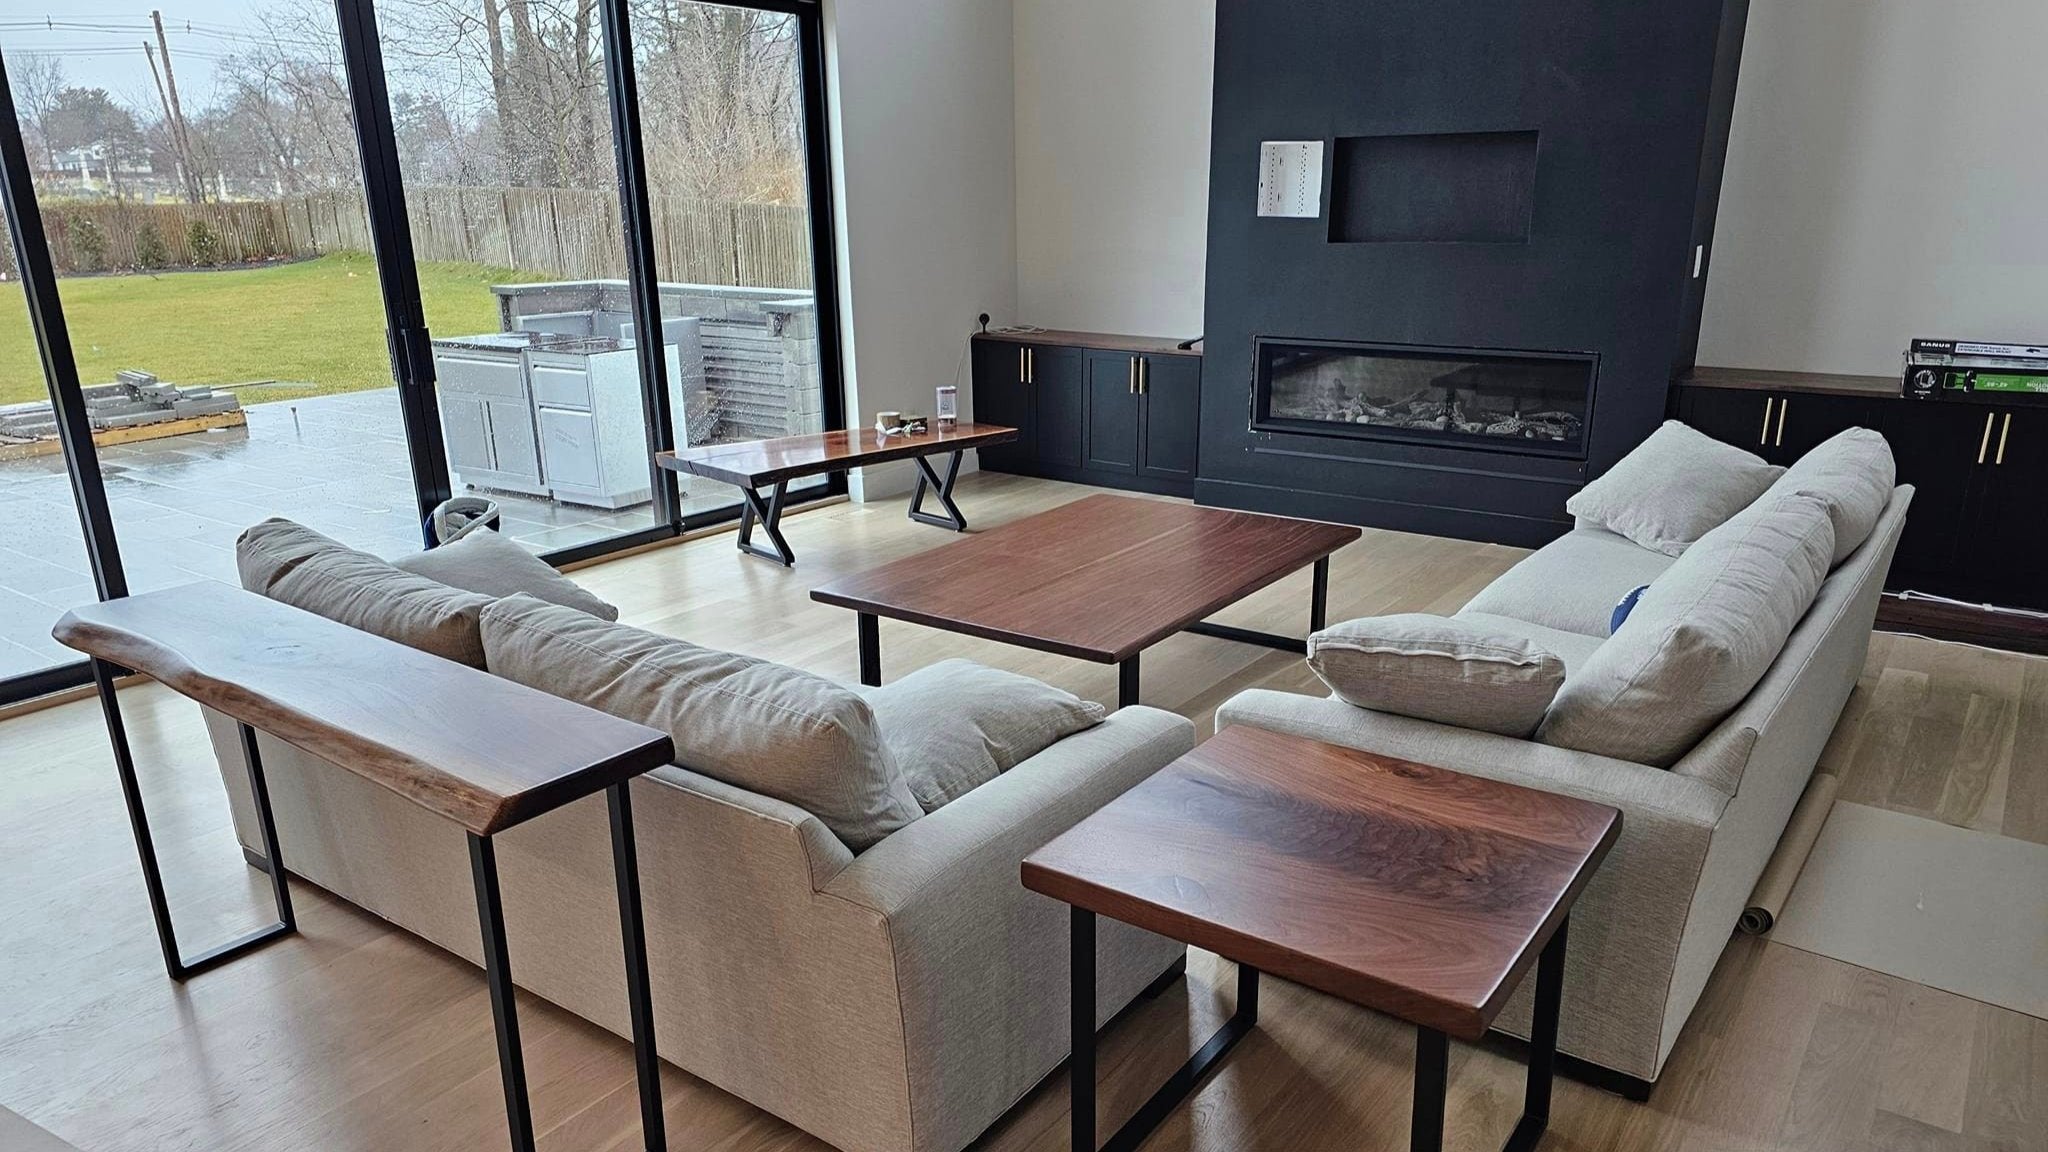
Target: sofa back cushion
[[753, 724], [1701, 637], [1676, 486], [295, 565], [956, 725], [495, 565], [1852, 472], [1453, 670]]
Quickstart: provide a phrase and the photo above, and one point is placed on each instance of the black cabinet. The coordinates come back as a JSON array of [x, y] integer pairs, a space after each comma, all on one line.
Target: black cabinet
[[1936, 447], [2003, 552], [1778, 425], [1115, 411]]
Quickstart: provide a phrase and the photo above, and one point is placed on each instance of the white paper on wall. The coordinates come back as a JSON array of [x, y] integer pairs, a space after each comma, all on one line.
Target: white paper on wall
[[1291, 179]]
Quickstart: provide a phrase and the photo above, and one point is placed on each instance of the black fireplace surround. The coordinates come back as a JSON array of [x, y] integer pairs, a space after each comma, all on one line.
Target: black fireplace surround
[[1497, 178]]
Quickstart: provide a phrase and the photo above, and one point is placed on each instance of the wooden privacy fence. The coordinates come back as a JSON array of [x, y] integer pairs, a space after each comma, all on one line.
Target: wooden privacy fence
[[572, 233]]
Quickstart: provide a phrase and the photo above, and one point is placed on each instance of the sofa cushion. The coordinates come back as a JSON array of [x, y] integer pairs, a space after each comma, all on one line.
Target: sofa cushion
[[1572, 583], [1852, 473], [1674, 488], [493, 564], [764, 727], [1701, 637], [1451, 670], [295, 565], [956, 725], [1574, 648]]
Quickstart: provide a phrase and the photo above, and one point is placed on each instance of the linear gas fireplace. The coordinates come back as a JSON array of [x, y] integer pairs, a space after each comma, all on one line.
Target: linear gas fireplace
[[1527, 402]]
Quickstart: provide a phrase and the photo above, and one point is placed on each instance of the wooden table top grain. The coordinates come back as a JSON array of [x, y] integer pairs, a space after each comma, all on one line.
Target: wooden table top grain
[[753, 463], [1413, 890], [1101, 578], [369, 705]]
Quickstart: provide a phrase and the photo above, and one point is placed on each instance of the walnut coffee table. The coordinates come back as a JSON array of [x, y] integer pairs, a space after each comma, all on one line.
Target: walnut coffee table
[[1415, 891], [1100, 579]]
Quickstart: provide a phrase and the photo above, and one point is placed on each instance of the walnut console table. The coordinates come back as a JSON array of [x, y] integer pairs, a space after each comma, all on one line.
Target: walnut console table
[[758, 463], [484, 753]]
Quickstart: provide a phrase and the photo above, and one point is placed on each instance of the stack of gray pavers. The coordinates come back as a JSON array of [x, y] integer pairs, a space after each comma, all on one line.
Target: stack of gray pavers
[[133, 398]]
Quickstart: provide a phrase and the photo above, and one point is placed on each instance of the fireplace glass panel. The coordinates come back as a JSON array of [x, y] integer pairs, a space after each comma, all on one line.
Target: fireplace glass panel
[[1520, 401]]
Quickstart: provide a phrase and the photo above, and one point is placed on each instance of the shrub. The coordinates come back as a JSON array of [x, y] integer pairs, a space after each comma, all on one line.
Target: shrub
[[150, 249], [88, 244], [203, 241]]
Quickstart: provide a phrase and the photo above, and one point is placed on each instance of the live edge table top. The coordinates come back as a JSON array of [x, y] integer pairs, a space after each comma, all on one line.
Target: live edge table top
[[1416, 891], [1100, 579], [756, 462]]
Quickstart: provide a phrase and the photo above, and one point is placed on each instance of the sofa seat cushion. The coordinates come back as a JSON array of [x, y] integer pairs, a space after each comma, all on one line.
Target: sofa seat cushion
[[1453, 670], [1674, 488], [778, 731], [1572, 583], [295, 565], [1701, 637], [956, 725], [495, 565], [1852, 472]]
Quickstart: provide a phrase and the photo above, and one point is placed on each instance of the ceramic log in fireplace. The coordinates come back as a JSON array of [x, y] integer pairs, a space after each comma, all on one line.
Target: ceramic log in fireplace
[[1518, 401]]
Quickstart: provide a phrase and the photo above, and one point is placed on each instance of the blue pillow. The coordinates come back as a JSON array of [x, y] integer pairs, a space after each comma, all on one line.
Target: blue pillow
[[1621, 610]]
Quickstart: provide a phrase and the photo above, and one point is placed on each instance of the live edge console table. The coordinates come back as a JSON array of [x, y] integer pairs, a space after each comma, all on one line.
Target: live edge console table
[[484, 753]]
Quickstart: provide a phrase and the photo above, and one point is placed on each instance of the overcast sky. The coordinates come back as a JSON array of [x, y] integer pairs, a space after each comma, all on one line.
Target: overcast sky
[[100, 42]]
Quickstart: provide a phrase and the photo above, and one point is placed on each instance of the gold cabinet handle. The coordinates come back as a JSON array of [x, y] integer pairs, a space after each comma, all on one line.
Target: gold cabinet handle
[[1131, 377], [1031, 365], [1144, 376], [1023, 368], [2004, 430], [1764, 437], [1783, 404], [1984, 445]]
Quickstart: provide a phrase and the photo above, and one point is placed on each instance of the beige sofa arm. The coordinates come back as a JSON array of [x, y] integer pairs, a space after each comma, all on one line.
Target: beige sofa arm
[[981, 963]]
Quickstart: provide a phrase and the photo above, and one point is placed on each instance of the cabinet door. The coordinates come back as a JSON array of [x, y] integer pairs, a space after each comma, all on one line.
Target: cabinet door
[[512, 440], [1802, 420], [1731, 415], [2004, 555], [1171, 392], [468, 433], [1936, 444], [1113, 412], [1059, 407], [1002, 397], [568, 442]]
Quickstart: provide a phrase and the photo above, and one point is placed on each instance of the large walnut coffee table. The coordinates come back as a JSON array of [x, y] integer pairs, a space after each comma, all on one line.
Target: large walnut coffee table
[[1100, 579], [1416, 891]]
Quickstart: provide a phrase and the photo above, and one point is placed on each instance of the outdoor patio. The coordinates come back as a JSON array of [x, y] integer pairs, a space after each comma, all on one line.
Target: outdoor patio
[[335, 463]]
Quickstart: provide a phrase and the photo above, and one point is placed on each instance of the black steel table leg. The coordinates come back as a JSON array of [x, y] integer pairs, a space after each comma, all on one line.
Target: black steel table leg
[[490, 915], [1318, 612], [639, 1000], [870, 630], [927, 478], [1127, 682], [1432, 1062], [181, 967], [769, 516], [1432, 1075], [1319, 596], [1081, 1027]]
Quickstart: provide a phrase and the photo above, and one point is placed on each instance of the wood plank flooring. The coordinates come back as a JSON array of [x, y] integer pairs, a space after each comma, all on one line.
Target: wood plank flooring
[[355, 1036]]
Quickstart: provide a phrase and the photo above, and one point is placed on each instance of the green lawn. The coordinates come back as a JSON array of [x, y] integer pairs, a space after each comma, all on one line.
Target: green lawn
[[316, 326]]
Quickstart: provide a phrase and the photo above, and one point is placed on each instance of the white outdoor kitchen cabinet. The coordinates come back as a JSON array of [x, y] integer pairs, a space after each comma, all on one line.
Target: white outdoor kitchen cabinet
[[555, 414]]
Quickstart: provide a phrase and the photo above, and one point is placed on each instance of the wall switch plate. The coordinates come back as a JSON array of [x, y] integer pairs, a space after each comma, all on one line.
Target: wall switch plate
[[1291, 179]]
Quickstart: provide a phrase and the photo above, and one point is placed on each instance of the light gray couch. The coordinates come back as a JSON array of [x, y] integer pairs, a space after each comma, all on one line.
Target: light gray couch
[[899, 1000], [1651, 925]]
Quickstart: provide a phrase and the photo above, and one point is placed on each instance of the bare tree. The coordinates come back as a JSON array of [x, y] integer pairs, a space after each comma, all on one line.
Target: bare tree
[[38, 81]]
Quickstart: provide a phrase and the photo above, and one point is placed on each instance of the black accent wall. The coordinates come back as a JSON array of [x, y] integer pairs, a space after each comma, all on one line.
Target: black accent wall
[[1625, 107]]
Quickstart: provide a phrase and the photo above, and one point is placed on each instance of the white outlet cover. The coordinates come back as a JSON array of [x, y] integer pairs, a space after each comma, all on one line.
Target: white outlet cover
[[1291, 179]]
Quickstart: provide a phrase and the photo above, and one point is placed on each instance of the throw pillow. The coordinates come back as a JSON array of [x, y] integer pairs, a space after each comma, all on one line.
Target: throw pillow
[[1438, 668], [1700, 639], [755, 725], [1852, 472], [1626, 606], [956, 725], [495, 565], [295, 565], [1673, 489]]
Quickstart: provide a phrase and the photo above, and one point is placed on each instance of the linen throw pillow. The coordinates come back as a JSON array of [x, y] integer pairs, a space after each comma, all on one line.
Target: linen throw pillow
[[1852, 472], [1701, 637], [1438, 668], [495, 565], [295, 565], [956, 725], [756, 725], [1673, 489]]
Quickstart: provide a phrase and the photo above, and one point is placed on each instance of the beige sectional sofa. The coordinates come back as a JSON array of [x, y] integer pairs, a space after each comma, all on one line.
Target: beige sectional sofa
[[897, 999], [1696, 831]]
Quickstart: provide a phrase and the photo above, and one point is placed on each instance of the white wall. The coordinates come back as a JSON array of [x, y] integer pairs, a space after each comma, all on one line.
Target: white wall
[[1112, 135], [923, 151], [1887, 178]]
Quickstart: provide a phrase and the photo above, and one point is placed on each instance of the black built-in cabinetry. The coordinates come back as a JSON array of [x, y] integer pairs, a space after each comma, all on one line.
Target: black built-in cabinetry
[[1094, 408], [1978, 469]]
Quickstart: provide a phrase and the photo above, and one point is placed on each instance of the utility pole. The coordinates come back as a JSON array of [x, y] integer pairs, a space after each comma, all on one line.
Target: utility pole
[[178, 132], [177, 144]]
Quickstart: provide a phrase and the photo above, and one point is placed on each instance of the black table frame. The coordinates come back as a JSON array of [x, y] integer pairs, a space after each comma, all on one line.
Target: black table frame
[[767, 512], [490, 918], [867, 626], [1432, 1055]]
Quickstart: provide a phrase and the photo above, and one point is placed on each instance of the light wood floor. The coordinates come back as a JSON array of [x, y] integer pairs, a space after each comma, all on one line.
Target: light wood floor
[[354, 1036]]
